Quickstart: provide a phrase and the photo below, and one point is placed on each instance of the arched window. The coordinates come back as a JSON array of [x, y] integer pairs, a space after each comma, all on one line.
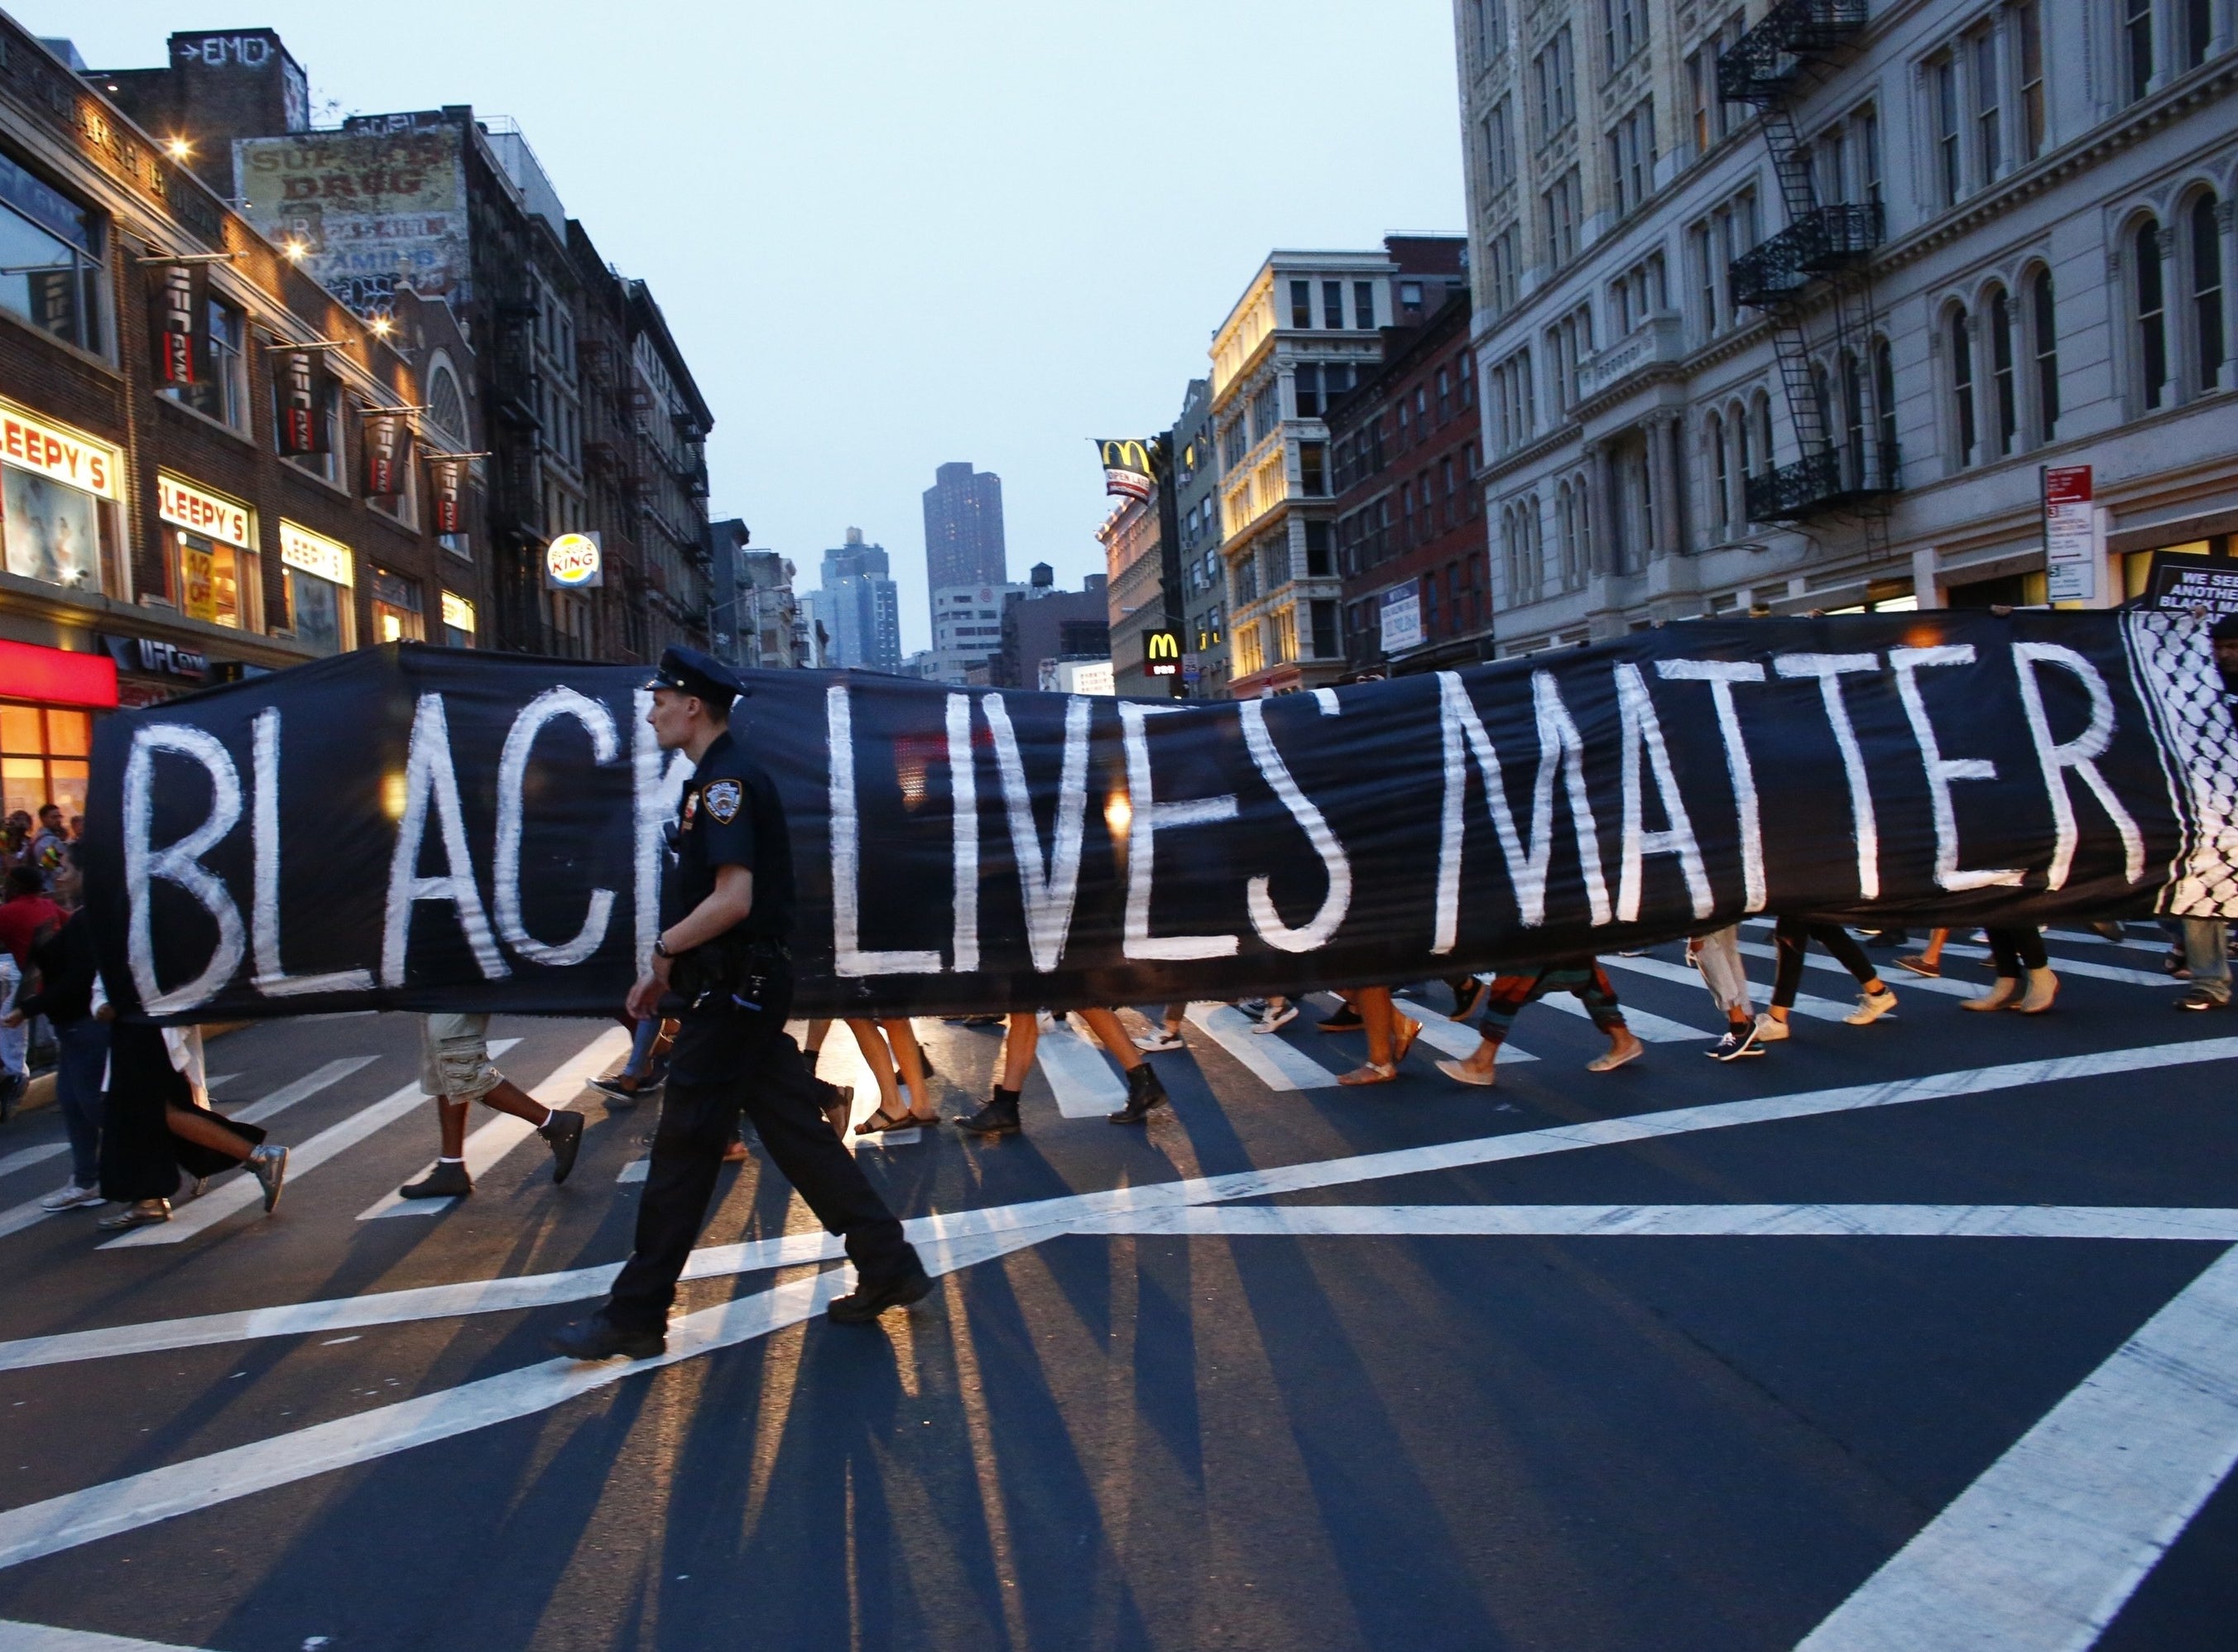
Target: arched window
[[1821, 403], [1962, 384], [447, 409], [1713, 447], [2206, 294], [2006, 389], [2044, 341], [1744, 456], [1763, 411], [1582, 496], [2151, 301]]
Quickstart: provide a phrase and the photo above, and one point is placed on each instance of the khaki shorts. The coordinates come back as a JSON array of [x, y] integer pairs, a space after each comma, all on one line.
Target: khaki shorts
[[454, 1057]]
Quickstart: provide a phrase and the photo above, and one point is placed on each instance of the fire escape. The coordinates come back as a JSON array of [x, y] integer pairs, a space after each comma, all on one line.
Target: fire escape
[[1822, 258]]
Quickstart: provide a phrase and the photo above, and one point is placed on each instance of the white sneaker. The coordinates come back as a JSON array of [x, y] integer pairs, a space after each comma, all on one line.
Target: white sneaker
[[1160, 1042], [1274, 1019], [1870, 1008], [70, 1197], [1769, 1029]]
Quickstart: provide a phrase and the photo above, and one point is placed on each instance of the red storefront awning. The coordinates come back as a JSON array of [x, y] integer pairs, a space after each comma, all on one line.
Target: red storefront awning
[[56, 677]]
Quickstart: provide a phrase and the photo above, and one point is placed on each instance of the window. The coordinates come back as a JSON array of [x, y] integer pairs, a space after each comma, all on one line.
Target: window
[[1949, 180], [2137, 48], [1853, 421], [1332, 304], [1325, 642], [318, 575], [223, 391], [1884, 406], [2001, 372], [1312, 469], [1266, 409], [328, 464], [217, 581], [1363, 305], [1982, 46], [1247, 577], [1503, 259], [1962, 384], [1701, 93], [2044, 342], [2152, 314], [1713, 447], [1318, 566], [397, 615], [52, 256], [1305, 389], [1464, 369], [1762, 412], [1551, 68], [1499, 147], [1631, 156], [1701, 253], [1869, 151], [2198, 31], [1275, 561], [2028, 35], [1301, 303], [2206, 294], [446, 408], [1559, 207], [61, 519], [1623, 30], [43, 755]]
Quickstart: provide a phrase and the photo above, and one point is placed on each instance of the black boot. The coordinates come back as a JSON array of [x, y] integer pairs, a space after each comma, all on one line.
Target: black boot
[[999, 1118], [1144, 1096], [448, 1179], [563, 1133]]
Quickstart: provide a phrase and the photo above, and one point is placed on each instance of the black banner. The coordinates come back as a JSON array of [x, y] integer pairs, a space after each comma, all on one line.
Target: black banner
[[1130, 467], [300, 378], [178, 322], [420, 828], [446, 481], [387, 455]]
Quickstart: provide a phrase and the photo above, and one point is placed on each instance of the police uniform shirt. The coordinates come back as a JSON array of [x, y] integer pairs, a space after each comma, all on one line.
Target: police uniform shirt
[[732, 816]]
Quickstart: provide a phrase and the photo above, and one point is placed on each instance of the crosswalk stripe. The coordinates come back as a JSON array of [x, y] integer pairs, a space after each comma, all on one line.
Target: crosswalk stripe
[[1080, 1075], [1440, 1031], [2211, 1226], [504, 1133], [1278, 1065], [636, 1169], [715, 1261], [24, 1157], [47, 1637], [22, 1216]]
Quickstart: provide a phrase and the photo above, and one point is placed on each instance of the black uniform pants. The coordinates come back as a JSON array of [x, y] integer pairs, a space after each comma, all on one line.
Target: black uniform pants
[[725, 1061]]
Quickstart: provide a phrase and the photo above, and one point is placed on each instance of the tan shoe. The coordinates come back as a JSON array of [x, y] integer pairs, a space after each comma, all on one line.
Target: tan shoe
[[2043, 988], [1997, 997], [1370, 1072], [1627, 1047], [1462, 1072]]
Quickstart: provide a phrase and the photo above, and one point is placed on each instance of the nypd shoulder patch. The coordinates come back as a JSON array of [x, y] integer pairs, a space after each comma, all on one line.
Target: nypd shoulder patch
[[724, 797]]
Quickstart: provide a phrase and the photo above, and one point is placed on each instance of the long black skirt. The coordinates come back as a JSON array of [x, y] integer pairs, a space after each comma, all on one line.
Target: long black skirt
[[140, 1157]]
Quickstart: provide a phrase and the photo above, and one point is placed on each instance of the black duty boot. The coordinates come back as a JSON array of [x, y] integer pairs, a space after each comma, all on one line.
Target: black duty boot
[[999, 1118], [563, 1133], [597, 1339], [1144, 1096], [872, 1298], [445, 1182]]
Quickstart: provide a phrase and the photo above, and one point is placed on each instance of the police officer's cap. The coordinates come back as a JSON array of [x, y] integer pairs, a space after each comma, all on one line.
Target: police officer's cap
[[689, 671]]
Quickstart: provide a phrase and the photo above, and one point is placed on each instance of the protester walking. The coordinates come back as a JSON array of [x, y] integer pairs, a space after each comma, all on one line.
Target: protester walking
[[1022, 1038], [1791, 937], [1583, 977], [455, 1069], [644, 1071], [157, 1125], [2024, 979], [1390, 1035], [62, 958], [722, 959], [1717, 955], [2207, 961]]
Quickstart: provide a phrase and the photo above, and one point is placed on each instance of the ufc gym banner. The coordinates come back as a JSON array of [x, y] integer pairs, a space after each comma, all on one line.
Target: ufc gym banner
[[416, 827]]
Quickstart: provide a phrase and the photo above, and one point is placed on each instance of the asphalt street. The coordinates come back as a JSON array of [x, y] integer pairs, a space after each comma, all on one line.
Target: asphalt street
[[1915, 1335]]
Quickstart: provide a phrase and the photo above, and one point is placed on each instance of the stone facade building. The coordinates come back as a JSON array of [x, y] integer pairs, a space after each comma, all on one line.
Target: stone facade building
[[1307, 326], [1786, 306]]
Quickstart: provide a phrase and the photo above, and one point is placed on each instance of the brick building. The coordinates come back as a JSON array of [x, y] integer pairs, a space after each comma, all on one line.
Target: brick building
[[1411, 544], [595, 425], [153, 534]]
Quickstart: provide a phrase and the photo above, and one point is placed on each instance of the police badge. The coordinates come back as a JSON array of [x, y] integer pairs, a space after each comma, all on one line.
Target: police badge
[[723, 799]]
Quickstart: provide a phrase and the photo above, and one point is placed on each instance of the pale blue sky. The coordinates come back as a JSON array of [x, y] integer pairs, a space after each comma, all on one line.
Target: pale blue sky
[[891, 235]]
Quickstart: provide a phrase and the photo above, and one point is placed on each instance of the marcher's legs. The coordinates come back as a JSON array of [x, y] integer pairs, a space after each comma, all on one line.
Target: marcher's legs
[[2206, 953], [909, 1061], [1718, 956], [1598, 993], [1390, 1035], [1791, 939], [84, 1052], [1847, 953], [1021, 1038], [1503, 1002]]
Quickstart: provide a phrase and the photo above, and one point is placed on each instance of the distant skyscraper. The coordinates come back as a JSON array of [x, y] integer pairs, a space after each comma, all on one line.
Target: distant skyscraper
[[859, 607], [964, 529]]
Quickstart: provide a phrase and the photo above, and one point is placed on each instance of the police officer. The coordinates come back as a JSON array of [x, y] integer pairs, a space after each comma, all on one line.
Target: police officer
[[722, 965]]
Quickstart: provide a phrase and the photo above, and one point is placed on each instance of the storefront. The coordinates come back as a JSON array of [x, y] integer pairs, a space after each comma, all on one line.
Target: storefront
[[320, 577], [458, 621], [60, 512], [47, 697], [211, 554], [399, 610]]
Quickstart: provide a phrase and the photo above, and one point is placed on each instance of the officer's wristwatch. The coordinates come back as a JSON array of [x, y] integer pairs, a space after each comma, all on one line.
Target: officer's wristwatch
[[660, 949]]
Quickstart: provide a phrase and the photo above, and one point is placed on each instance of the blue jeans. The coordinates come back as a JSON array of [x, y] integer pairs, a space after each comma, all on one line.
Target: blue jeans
[[82, 1055], [2205, 954], [640, 1055]]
